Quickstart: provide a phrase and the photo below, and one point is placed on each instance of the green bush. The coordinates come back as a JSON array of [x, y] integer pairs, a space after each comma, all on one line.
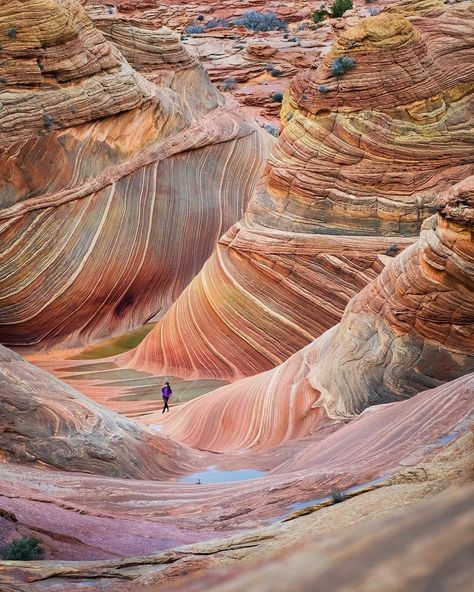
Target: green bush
[[48, 121], [319, 16], [277, 97], [339, 7], [25, 549], [275, 72], [261, 21], [229, 83]]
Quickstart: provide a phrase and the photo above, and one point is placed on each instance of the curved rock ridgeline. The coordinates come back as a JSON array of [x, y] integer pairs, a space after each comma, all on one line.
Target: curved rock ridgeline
[[410, 329], [96, 205], [348, 184], [45, 422], [158, 54], [413, 327]]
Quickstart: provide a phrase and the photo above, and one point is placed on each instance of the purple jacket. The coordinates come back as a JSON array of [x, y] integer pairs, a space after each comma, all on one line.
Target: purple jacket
[[166, 392]]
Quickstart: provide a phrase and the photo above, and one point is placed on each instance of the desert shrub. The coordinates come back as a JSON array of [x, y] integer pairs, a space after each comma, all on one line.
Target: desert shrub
[[293, 40], [216, 22], [342, 64], [277, 97], [25, 549], [323, 89], [289, 116], [373, 11], [319, 16], [337, 497], [48, 121], [269, 67], [302, 27], [11, 32], [261, 21], [229, 83], [200, 17], [392, 250], [285, 36], [275, 72], [271, 129], [339, 7], [194, 29]]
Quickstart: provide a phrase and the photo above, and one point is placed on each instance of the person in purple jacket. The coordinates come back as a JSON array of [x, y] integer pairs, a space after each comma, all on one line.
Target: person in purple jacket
[[166, 393]]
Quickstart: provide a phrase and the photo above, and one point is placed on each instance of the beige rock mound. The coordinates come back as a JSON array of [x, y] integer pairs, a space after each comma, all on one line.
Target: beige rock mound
[[46, 423]]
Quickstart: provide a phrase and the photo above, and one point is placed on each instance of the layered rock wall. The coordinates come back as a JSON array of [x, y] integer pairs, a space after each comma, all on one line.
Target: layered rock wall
[[115, 191], [358, 167]]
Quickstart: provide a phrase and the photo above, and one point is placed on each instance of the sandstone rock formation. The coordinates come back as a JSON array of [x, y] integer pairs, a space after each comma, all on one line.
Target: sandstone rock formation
[[358, 166], [43, 422], [114, 517], [113, 192], [410, 329]]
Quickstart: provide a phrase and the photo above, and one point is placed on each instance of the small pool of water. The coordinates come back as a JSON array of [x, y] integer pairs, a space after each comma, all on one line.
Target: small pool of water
[[446, 439], [213, 475]]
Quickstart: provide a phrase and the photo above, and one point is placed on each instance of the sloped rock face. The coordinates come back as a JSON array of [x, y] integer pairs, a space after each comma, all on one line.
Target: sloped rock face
[[357, 168], [47, 423], [413, 327], [101, 182], [410, 329]]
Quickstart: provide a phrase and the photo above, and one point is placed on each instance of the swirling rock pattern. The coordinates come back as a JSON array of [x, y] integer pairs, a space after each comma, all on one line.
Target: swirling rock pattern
[[357, 168], [45, 422], [410, 329], [144, 181]]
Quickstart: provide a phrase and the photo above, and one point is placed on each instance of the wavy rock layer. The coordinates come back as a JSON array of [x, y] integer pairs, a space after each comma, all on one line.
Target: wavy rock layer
[[47, 423], [144, 181], [410, 329], [356, 170]]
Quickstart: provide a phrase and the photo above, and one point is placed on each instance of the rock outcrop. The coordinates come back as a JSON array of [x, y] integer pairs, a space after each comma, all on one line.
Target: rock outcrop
[[115, 190], [44, 422], [410, 329], [358, 166]]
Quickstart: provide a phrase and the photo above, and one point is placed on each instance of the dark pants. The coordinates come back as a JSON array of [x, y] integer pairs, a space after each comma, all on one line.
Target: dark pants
[[165, 404]]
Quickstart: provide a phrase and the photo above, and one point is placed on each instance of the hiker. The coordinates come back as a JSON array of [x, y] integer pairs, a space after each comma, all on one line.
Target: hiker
[[166, 393]]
